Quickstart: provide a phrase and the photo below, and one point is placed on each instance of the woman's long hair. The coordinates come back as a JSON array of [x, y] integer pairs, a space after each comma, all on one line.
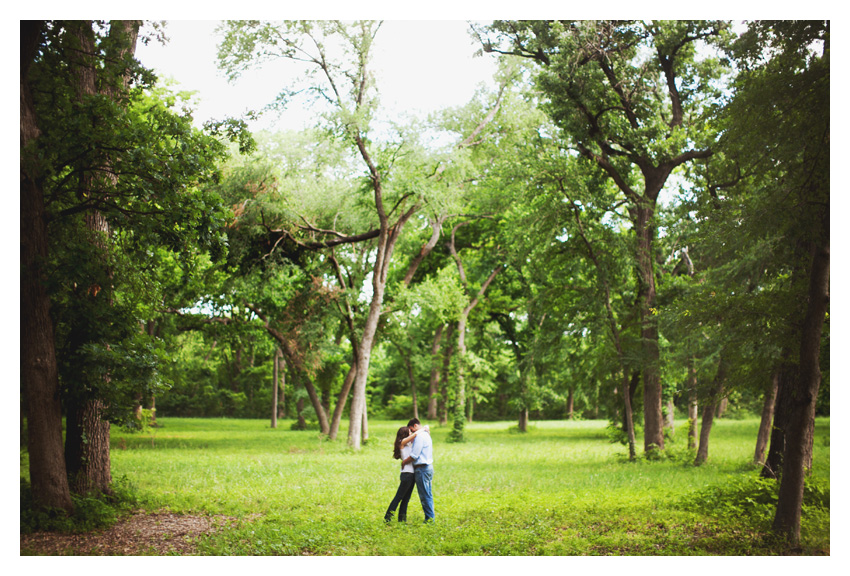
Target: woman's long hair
[[402, 433]]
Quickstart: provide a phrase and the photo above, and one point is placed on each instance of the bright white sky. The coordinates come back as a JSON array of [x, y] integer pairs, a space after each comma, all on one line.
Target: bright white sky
[[421, 66]]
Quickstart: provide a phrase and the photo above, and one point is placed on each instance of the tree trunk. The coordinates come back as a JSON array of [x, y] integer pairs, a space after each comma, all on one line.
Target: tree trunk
[[460, 389], [802, 398], [721, 407], [671, 414], [766, 421], [281, 368], [708, 411], [653, 432], [459, 416], [523, 420], [87, 448], [692, 404], [435, 374], [39, 371], [781, 413], [570, 404], [299, 409], [275, 381], [341, 400], [87, 457], [365, 422], [364, 349], [627, 405], [322, 416]]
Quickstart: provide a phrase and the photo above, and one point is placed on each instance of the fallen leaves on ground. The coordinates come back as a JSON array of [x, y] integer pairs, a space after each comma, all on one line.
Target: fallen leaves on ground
[[157, 533]]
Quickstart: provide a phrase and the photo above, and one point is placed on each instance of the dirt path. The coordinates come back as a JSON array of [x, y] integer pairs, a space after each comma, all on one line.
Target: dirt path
[[157, 533]]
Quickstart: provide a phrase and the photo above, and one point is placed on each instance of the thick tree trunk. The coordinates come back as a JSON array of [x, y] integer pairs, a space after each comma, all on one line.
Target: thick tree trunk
[[87, 456], [653, 432], [708, 411], [803, 397], [435, 374], [766, 421], [87, 448], [693, 409], [39, 372]]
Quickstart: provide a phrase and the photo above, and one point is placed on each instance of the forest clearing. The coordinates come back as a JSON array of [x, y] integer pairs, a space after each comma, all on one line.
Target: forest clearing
[[599, 272], [561, 489]]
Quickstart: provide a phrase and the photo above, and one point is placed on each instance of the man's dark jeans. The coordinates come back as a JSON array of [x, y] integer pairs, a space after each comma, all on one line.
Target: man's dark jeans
[[402, 497]]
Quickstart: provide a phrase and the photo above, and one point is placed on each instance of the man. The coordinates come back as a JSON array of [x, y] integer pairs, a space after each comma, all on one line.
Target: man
[[422, 457]]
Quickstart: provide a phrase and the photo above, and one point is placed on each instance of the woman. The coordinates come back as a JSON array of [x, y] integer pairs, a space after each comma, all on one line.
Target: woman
[[401, 450]]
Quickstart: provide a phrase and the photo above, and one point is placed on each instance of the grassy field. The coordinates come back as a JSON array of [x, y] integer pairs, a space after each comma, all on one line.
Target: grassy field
[[561, 489]]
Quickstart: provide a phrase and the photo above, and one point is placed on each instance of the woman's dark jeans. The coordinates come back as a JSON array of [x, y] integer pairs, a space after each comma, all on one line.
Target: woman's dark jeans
[[402, 497]]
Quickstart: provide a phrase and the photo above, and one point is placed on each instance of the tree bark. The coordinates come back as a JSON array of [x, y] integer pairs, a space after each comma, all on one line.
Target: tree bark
[[802, 398], [39, 371], [281, 363], [570, 403], [708, 411], [275, 387], [653, 432], [766, 421], [341, 400], [627, 406], [87, 457], [523, 420], [87, 448], [671, 415], [322, 416], [773, 464], [299, 409], [693, 410]]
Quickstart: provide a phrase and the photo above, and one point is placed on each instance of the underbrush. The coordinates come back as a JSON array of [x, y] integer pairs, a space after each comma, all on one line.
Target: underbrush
[[90, 512]]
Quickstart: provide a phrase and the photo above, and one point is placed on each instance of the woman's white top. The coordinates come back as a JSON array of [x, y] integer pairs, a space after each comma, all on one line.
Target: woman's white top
[[405, 452]]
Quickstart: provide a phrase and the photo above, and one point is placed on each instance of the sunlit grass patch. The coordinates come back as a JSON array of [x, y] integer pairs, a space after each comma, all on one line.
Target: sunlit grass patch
[[561, 489]]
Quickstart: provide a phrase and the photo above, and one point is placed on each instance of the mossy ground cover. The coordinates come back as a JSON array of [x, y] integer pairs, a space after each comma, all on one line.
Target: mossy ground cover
[[560, 489]]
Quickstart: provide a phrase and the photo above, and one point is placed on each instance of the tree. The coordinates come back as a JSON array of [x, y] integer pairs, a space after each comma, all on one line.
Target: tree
[[112, 151], [634, 98], [39, 372], [347, 85], [778, 134]]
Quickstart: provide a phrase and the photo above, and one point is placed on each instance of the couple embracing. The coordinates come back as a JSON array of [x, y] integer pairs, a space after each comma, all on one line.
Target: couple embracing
[[414, 448]]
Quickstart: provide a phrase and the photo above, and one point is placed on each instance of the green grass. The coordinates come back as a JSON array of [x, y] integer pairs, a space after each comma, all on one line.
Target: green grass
[[561, 489]]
